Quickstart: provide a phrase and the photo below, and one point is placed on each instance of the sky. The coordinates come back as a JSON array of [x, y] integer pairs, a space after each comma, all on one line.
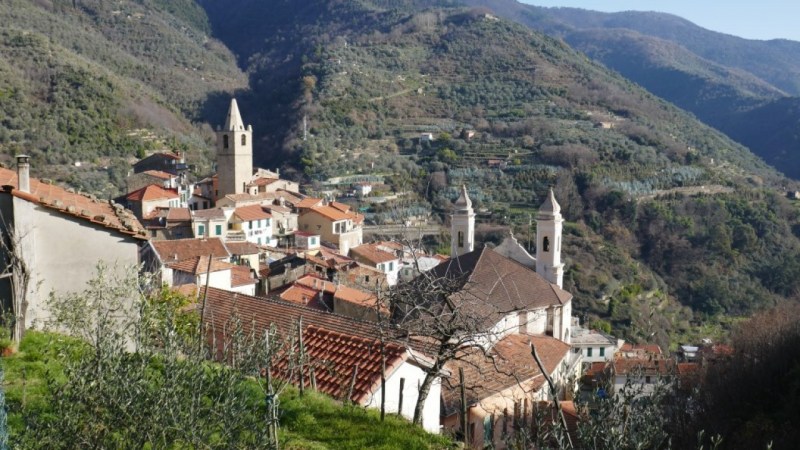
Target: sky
[[763, 19]]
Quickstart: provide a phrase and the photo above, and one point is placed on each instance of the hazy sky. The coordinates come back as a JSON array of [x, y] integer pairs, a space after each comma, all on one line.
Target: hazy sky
[[764, 19]]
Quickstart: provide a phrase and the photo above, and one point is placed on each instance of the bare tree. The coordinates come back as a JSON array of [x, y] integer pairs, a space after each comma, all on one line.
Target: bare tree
[[17, 271], [440, 316]]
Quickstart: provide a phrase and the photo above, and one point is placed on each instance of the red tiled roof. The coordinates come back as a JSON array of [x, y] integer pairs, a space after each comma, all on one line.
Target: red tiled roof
[[179, 214], [508, 364], [336, 355], [180, 249], [645, 365], [264, 181], [199, 265], [335, 343], [84, 207], [372, 254], [252, 212], [241, 276], [307, 202], [355, 296], [152, 192], [340, 206], [242, 248], [159, 174], [297, 293]]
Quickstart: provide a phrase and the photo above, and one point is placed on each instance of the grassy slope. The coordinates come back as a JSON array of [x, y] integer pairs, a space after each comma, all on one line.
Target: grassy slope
[[310, 422]]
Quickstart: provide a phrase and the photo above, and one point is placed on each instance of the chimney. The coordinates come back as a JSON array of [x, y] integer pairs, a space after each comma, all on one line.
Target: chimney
[[24, 173]]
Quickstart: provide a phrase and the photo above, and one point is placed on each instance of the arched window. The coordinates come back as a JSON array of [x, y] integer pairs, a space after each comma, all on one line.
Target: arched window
[[546, 244], [244, 139], [225, 141]]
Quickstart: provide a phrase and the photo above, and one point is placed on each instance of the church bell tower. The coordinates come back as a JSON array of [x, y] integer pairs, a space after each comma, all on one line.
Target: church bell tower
[[462, 226], [549, 224], [234, 153]]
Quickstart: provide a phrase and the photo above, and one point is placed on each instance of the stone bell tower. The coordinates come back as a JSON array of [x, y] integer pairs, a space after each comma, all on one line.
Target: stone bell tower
[[234, 153]]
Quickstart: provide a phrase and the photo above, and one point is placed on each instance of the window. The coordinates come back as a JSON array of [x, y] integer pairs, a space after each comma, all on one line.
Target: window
[[225, 141], [266, 222], [244, 139], [602, 351], [250, 224], [201, 230], [546, 244], [647, 379], [312, 241], [259, 241], [589, 351], [391, 266], [218, 230], [460, 239]]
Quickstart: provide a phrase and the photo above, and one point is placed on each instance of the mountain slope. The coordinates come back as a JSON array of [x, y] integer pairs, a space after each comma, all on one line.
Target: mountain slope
[[724, 80], [93, 83]]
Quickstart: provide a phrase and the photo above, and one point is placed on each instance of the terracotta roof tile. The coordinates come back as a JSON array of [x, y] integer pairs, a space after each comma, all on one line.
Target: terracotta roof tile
[[152, 192], [180, 249], [336, 355], [83, 207], [299, 294], [340, 206], [264, 181], [307, 202], [372, 254], [199, 265], [179, 214], [241, 276], [252, 212], [508, 364], [335, 343], [213, 213], [242, 248], [159, 174]]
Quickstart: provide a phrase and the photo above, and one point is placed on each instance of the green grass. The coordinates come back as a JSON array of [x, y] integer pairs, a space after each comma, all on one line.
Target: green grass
[[313, 421]]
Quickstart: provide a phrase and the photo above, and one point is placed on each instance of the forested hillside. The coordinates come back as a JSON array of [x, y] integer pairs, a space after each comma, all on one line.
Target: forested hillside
[[730, 83], [671, 223], [95, 84]]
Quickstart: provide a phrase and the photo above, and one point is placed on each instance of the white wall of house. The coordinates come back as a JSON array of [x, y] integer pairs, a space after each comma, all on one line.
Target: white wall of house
[[413, 376], [220, 279], [258, 232], [209, 228], [596, 352], [248, 289], [534, 321], [392, 271], [63, 252]]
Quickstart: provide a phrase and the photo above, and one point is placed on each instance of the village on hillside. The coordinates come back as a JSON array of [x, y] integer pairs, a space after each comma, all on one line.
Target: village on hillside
[[252, 244]]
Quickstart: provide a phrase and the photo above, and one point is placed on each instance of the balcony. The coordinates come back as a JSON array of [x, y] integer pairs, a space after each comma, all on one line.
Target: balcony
[[235, 236]]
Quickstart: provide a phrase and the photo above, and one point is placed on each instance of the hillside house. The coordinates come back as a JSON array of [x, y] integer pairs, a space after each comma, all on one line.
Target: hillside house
[[335, 223], [595, 346], [162, 162], [251, 224], [145, 200], [169, 223], [158, 256], [61, 236], [211, 223], [373, 256]]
